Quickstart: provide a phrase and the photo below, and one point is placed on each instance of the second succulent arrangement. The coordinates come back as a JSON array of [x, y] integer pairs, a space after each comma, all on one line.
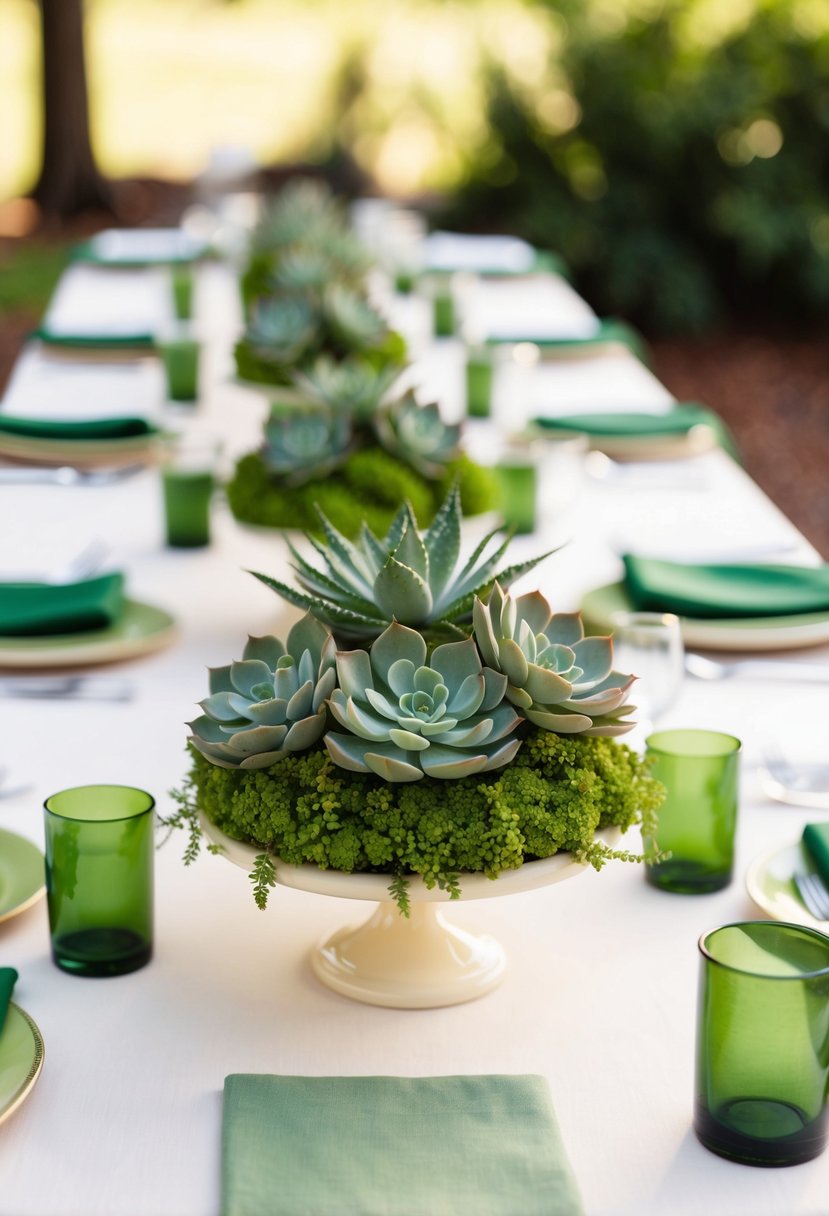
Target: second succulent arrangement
[[341, 432]]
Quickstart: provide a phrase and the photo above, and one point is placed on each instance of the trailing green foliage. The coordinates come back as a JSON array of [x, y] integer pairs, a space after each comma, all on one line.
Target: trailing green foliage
[[554, 796], [369, 486], [673, 154]]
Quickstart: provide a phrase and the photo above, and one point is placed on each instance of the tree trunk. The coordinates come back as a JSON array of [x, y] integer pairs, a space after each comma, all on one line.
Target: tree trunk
[[69, 180]]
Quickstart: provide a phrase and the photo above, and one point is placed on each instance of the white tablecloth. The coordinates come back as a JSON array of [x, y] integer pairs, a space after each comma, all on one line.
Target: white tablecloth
[[600, 995]]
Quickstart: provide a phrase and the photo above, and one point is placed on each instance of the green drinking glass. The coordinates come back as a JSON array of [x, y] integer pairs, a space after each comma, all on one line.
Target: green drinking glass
[[479, 376], [444, 320], [762, 1065], [99, 878], [518, 490], [698, 819], [181, 283], [180, 356], [188, 481]]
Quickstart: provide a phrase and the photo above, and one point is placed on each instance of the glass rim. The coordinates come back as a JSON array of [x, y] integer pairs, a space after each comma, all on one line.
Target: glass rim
[[75, 789], [641, 620], [806, 930], [694, 730]]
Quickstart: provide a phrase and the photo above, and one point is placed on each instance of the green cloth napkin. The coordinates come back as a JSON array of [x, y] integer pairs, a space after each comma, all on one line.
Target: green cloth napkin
[[816, 844], [749, 590], [41, 609], [610, 330], [90, 428], [8, 978], [393, 1146], [639, 425], [93, 341]]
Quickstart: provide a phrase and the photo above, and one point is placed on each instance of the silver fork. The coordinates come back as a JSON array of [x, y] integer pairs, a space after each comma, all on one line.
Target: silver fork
[[66, 475], [815, 894]]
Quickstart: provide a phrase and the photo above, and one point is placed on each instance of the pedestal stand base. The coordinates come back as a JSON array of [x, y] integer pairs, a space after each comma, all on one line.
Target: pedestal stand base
[[415, 962]]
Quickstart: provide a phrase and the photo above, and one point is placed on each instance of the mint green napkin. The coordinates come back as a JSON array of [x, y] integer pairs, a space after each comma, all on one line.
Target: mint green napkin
[[93, 341], [816, 843], [8, 978], [393, 1146], [748, 590], [42, 609], [90, 428]]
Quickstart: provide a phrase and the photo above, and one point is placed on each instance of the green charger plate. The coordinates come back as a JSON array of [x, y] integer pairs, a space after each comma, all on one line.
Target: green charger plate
[[21, 1059], [141, 629], [21, 876], [600, 606]]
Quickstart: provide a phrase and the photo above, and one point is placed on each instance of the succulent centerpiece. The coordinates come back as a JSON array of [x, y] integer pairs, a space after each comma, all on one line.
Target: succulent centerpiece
[[340, 431], [419, 720]]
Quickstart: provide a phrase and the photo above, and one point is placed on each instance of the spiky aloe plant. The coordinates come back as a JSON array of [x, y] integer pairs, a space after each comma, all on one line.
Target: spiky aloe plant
[[271, 702], [407, 717], [417, 434], [305, 442], [559, 679], [407, 576]]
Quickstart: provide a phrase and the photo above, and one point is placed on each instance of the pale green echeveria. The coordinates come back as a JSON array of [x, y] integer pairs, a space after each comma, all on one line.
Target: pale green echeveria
[[559, 679], [411, 576], [408, 716], [304, 443], [353, 322], [281, 329], [351, 386], [306, 268], [271, 702], [304, 209], [418, 435]]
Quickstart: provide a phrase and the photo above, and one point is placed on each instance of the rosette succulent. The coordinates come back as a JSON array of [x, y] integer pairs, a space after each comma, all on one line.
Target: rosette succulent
[[409, 717], [305, 442], [281, 329], [351, 385], [418, 435], [353, 322], [271, 702], [558, 678], [407, 576]]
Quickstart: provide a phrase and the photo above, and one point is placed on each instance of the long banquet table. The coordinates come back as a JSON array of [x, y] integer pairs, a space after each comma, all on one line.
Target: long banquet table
[[601, 989]]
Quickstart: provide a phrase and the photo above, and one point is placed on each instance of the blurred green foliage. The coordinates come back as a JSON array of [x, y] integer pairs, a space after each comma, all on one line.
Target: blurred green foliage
[[680, 167], [28, 276]]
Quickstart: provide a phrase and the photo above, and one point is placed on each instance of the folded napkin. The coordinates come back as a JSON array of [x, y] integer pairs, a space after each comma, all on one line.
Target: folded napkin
[[86, 429], [393, 1146], [816, 844], [8, 978], [91, 341], [634, 424], [42, 609], [746, 590], [608, 330]]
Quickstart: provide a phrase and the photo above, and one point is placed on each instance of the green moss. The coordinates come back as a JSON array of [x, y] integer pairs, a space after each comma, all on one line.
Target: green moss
[[552, 797], [370, 485]]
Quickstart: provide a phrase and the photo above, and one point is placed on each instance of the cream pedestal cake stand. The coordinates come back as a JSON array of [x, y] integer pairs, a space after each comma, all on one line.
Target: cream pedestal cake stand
[[417, 962]]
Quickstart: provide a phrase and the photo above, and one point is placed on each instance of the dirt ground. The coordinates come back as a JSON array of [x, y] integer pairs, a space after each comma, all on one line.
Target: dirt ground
[[773, 391]]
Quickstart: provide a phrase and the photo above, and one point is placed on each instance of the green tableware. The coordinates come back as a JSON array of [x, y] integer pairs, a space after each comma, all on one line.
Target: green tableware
[[181, 283], [518, 488], [38, 609], [180, 356], [99, 878], [187, 496], [21, 874], [479, 376], [140, 629], [21, 1059], [444, 321], [698, 819], [763, 1043], [8, 979]]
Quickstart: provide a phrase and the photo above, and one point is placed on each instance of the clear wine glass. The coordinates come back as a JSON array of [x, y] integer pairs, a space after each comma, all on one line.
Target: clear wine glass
[[649, 646]]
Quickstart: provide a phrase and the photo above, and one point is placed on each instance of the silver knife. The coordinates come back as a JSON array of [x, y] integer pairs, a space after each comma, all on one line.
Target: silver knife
[[67, 688]]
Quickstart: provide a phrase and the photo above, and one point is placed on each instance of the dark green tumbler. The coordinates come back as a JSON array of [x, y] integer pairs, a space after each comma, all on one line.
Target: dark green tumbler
[[763, 1043], [99, 878]]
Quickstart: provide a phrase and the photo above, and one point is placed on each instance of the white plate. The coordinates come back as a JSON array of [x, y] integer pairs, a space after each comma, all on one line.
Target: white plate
[[795, 632], [770, 884]]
